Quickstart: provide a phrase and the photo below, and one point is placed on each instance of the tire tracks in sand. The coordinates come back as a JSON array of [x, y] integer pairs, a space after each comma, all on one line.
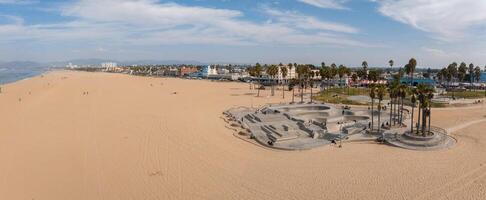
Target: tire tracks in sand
[[462, 181]]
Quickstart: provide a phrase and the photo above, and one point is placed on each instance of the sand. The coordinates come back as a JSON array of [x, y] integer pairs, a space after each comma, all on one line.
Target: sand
[[133, 138]]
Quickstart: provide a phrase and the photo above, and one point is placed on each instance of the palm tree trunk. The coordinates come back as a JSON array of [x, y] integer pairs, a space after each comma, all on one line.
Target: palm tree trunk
[[311, 92], [273, 87], [424, 120], [379, 116], [400, 111], [430, 115], [301, 92], [283, 91], [419, 117], [293, 93], [391, 111], [411, 123], [258, 89], [372, 117]]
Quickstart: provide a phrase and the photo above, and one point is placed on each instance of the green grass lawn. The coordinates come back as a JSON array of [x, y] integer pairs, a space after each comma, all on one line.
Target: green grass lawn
[[466, 94], [339, 95]]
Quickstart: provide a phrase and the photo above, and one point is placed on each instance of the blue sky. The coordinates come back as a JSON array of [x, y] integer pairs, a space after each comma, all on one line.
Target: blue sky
[[268, 31]]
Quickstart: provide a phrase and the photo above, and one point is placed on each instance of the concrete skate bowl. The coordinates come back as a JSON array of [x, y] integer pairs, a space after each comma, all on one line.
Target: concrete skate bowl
[[355, 118], [302, 108], [347, 118], [311, 115]]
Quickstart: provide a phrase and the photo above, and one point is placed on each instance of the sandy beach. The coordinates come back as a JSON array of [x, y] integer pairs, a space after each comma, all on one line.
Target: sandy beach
[[79, 135]]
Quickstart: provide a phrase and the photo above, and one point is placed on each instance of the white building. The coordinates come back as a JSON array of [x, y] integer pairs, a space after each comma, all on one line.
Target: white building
[[290, 73], [71, 66], [109, 66], [209, 70]]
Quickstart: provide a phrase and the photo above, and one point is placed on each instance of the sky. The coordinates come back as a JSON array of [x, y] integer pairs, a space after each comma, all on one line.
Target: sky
[[435, 32]]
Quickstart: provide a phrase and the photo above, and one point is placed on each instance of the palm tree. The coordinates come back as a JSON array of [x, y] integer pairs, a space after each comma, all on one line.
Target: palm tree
[[372, 96], [461, 72], [284, 71], [333, 71], [292, 86], [302, 74], [290, 69], [341, 72], [272, 71], [354, 78], [391, 93], [390, 62], [364, 64], [402, 92], [311, 83], [410, 69], [380, 90], [414, 101], [425, 94], [325, 73], [471, 75], [477, 73], [257, 73], [452, 73]]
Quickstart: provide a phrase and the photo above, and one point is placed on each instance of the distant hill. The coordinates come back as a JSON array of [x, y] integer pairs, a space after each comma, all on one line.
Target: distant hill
[[97, 61], [21, 64]]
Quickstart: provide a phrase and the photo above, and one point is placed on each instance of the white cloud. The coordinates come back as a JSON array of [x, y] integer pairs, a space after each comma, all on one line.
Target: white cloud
[[308, 22], [147, 22], [448, 20], [17, 1], [332, 4]]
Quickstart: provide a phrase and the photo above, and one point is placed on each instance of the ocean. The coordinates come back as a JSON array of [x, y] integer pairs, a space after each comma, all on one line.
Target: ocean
[[12, 74]]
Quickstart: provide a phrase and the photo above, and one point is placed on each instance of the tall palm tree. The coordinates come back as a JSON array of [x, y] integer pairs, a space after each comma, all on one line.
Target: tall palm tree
[[272, 71], [341, 72], [391, 93], [402, 92], [333, 71], [452, 74], [471, 74], [325, 73], [354, 78], [477, 73], [461, 71], [410, 70], [372, 96], [380, 91], [413, 99], [284, 71], [257, 73], [390, 62], [291, 66], [311, 83], [364, 64], [302, 74]]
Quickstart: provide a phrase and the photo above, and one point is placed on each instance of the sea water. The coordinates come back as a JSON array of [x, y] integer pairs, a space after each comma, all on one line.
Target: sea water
[[11, 74]]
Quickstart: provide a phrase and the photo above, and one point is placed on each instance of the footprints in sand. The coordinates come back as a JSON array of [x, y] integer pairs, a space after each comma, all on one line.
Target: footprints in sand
[[156, 173], [458, 184]]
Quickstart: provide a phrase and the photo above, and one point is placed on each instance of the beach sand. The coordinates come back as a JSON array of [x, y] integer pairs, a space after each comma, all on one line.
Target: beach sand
[[163, 138]]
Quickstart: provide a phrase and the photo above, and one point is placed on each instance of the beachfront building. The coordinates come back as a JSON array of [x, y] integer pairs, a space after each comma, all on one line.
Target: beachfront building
[[483, 77], [208, 71], [417, 80], [184, 71], [71, 66], [290, 74]]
